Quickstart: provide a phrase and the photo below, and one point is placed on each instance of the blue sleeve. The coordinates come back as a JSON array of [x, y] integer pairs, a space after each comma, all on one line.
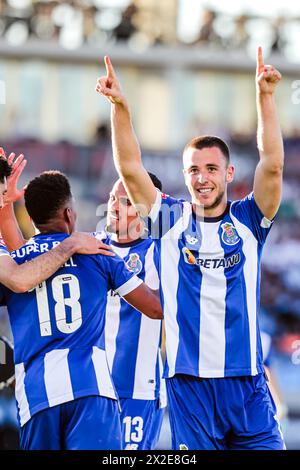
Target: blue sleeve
[[249, 214], [164, 214], [3, 252], [121, 280]]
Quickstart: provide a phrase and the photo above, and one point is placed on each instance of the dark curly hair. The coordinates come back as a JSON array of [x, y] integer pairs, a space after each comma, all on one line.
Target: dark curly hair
[[155, 180], [5, 169], [45, 195]]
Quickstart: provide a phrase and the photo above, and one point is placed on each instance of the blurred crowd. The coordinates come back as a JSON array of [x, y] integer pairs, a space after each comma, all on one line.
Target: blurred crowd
[[73, 23]]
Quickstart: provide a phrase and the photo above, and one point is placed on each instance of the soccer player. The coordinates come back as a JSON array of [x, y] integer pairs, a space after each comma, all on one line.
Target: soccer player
[[210, 276], [128, 334], [66, 398], [28, 275], [132, 340]]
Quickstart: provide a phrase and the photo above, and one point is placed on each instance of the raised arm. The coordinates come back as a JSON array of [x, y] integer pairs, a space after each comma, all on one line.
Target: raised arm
[[126, 149], [9, 227], [21, 278], [268, 174]]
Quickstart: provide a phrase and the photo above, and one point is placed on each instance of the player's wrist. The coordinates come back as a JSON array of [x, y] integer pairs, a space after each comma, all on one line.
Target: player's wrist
[[264, 93], [121, 103], [70, 245]]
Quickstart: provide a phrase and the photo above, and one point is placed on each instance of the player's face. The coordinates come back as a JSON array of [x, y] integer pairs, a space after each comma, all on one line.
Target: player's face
[[121, 214], [206, 176], [3, 191]]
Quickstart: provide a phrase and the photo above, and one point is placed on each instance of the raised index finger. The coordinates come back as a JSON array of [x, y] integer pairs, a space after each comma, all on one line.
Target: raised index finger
[[260, 60], [109, 68]]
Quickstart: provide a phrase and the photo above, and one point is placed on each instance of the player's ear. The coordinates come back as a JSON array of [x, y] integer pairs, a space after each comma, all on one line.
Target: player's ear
[[229, 174], [67, 214]]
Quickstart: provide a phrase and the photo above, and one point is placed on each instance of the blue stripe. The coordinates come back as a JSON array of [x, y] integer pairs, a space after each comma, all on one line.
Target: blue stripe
[[188, 308], [34, 384], [86, 369], [259, 352], [127, 341], [237, 334], [126, 349]]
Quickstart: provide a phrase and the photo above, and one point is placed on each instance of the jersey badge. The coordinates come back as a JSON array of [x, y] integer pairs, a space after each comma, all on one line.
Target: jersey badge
[[229, 235], [134, 264]]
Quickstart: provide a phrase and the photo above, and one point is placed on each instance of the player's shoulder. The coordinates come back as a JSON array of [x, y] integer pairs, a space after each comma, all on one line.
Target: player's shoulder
[[244, 206], [168, 198], [249, 198], [102, 236]]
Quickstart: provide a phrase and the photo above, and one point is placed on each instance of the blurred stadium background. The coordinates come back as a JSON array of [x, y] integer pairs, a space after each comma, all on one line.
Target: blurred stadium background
[[187, 68]]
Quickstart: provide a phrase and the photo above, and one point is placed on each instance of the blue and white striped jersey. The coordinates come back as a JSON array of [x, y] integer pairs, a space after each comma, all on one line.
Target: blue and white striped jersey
[[58, 328], [132, 340], [210, 285]]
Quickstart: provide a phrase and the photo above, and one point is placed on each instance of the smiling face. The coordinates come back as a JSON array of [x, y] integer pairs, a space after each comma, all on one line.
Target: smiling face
[[122, 218], [206, 175]]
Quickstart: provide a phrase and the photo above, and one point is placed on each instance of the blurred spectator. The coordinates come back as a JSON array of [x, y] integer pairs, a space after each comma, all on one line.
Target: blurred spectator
[[207, 33], [126, 28]]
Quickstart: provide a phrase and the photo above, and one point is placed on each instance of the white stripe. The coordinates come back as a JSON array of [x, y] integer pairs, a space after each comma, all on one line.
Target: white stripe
[[104, 381], [250, 275], [112, 323], [129, 286], [151, 274], [57, 377], [155, 207], [212, 340], [162, 390], [21, 394], [170, 256], [112, 318], [145, 368]]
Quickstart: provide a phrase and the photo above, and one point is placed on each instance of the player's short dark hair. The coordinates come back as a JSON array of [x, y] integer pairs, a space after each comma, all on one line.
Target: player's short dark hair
[[209, 141], [45, 195], [5, 169], [156, 181]]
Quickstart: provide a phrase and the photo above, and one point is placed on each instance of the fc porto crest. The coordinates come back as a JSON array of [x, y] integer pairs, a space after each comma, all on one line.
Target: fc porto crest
[[229, 235], [134, 264]]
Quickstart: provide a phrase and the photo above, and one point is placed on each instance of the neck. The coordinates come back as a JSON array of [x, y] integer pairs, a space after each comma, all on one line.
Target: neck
[[202, 211], [130, 237], [58, 226]]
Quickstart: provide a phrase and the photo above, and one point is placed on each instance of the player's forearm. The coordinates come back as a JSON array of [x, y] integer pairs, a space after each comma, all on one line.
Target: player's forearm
[[269, 138], [9, 228], [146, 301], [26, 276], [126, 149]]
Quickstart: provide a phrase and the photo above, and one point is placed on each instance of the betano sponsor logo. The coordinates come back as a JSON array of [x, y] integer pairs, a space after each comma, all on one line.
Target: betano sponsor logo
[[210, 263]]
